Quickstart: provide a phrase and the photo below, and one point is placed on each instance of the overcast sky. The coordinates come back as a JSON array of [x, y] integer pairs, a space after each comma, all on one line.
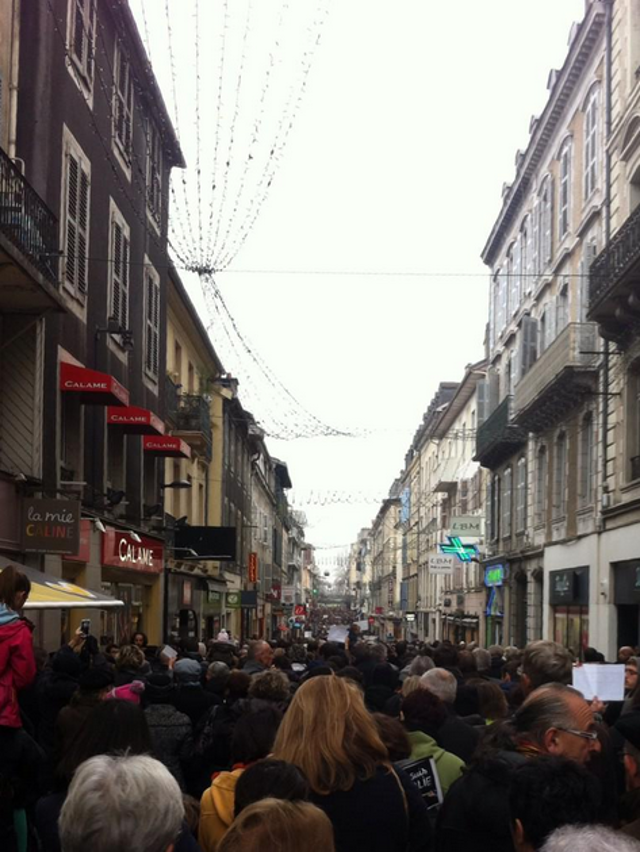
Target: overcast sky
[[409, 126]]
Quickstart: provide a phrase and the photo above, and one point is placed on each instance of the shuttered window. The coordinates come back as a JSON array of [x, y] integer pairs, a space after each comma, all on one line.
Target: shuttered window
[[152, 323], [591, 145], [560, 476], [120, 270], [546, 223], [154, 172], [82, 29], [564, 202], [541, 485], [122, 103], [521, 494], [77, 185], [507, 490]]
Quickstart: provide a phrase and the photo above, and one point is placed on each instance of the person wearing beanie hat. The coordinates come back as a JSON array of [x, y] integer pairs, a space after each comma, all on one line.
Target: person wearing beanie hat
[[171, 731], [191, 698], [93, 686], [128, 692]]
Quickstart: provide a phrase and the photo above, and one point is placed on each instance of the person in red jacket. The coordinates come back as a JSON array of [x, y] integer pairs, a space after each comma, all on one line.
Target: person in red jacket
[[17, 663]]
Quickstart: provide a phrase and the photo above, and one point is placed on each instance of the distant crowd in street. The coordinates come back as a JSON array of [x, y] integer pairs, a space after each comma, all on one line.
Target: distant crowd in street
[[315, 746]]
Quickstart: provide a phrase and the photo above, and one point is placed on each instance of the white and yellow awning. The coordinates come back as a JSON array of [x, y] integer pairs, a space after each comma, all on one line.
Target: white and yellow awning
[[49, 592]]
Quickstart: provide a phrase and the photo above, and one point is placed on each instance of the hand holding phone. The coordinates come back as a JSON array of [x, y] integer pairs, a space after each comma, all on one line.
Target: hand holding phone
[[85, 626]]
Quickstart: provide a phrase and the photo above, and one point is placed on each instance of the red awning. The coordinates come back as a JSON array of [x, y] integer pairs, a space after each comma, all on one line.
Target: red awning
[[134, 420], [167, 445], [94, 388]]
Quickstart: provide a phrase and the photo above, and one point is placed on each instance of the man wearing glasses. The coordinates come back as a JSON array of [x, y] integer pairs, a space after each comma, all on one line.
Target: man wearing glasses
[[554, 720]]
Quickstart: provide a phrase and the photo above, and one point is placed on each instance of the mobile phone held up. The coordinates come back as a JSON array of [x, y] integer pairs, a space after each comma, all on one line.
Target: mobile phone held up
[[85, 626]]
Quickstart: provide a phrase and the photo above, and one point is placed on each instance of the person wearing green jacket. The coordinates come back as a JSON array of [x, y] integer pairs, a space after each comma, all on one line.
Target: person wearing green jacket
[[422, 714]]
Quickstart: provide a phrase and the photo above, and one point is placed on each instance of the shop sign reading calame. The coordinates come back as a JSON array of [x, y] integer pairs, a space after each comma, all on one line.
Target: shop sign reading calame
[[51, 526]]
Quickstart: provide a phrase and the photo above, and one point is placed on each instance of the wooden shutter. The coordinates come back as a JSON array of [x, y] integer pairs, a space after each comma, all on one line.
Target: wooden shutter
[[152, 355], [548, 224], [514, 298], [535, 244], [116, 274], [481, 401], [529, 343], [83, 231], [71, 247]]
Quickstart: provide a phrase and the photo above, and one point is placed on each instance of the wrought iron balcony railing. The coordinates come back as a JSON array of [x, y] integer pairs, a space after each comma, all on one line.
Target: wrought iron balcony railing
[[498, 437], [26, 220], [613, 264], [193, 422]]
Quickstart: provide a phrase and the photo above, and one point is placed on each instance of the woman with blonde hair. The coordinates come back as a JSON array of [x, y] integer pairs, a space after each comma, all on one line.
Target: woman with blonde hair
[[274, 824], [329, 735], [130, 665]]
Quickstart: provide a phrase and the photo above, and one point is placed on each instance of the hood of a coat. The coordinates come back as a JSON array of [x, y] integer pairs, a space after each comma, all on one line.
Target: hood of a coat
[[8, 618], [422, 745], [223, 792]]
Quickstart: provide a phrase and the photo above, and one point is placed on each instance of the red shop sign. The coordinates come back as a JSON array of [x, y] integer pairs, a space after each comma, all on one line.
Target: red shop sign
[[121, 551]]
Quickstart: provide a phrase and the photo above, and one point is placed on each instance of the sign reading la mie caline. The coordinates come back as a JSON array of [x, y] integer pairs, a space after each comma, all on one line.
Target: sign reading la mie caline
[[51, 526]]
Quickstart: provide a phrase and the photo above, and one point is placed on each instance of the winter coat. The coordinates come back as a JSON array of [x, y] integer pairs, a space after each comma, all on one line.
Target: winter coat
[[17, 664], [217, 809], [21, 771], [55, 689], [172, 738], [383, 814], [194, 701], [252, 667], [475, 814], [457, 736], [448, 766]]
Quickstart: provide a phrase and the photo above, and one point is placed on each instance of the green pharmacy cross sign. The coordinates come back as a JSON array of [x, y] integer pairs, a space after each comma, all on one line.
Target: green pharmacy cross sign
[[455, 547]]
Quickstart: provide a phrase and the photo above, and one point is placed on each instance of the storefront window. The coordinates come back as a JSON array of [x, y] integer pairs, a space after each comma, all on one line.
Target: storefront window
[[571, 627]]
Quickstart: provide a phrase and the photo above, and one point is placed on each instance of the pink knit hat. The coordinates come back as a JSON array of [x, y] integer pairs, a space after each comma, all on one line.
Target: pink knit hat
[[129, 692]]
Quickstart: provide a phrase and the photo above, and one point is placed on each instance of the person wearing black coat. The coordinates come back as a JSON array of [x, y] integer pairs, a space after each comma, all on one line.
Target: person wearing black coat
[[55, 688]]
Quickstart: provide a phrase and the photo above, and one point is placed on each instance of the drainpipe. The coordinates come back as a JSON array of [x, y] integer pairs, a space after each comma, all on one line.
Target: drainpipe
[[607, 228], [14, 58]]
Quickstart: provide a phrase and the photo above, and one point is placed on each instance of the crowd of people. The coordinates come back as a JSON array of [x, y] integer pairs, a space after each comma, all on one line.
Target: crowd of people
[[229, 747]]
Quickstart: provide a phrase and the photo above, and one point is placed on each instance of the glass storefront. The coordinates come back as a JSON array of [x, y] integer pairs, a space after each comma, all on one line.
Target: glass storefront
[[569, 598]]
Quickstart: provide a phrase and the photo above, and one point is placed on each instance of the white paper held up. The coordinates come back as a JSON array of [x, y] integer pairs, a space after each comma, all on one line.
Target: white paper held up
[[595, 679], [338, 633]]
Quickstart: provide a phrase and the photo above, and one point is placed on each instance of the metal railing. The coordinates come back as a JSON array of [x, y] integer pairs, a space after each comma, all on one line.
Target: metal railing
[[575, 347], [498, 429], [194, 415], [26, 220], [616, 260]]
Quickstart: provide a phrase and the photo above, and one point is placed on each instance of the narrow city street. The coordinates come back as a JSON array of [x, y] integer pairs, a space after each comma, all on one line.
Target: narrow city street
[[319, 426]]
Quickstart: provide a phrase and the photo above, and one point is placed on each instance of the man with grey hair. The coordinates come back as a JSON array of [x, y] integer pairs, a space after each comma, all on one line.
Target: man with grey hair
[[628, 727], [589, 838], [259, 657], [454, 735], [554, 720], [545, 662], [121, 803]]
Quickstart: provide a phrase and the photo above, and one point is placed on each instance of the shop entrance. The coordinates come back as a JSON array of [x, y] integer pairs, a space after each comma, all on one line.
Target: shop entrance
[[628, 625], [627, 601]]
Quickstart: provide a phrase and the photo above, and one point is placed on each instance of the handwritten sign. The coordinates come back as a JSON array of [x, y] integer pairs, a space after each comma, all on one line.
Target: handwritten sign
[[51, 526]]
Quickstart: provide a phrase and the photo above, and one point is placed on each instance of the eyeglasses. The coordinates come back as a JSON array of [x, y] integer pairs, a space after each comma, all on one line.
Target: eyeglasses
[[592, 736]]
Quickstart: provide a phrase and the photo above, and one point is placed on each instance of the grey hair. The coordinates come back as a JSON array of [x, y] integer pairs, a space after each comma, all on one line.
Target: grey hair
[[254, 648], [547, 662], [496, 650], [442, 683], [420, 665], [378, 652], [482, 658], [122, 802], [586, 838], [547, 707], [511, 652]]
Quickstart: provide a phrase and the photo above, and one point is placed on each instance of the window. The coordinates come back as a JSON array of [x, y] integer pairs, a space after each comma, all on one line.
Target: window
[[565, 190], [632, 422], [177, 492], [76, 207], [560, 476], [119, 255], [591, 145], [154, 172], [535, 242], [82, 34], [587, 462], [521, 494], [546, 219], [589, 253], [152, 324], [201, 503], [542, 329], [562, 306], [191, 378], [177, 361], [507, 490], [514, 276], [122, 103], [541, 485]]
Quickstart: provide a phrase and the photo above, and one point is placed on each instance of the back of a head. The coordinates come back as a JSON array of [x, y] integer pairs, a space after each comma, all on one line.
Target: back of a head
[[483, 659], [270, 685], [273, 824], [130, 802], [496, 650], [255, 732], [420, 665], [270, 779], [423, 711], [441, 683], [12, 582], [394, 736], [446, 657], [550, 792], [237, 686], [590, 838], [492, 700], [130, 657], [545, 661], [112, 727]]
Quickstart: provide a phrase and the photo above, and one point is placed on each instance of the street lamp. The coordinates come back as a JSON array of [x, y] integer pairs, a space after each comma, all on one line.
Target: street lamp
[[177, 483]]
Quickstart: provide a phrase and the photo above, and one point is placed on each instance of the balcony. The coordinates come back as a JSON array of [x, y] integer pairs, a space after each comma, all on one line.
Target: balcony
[[614, 282], [499, 437], [193, 423], [28, 245], [558, 380], [446, 475]]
